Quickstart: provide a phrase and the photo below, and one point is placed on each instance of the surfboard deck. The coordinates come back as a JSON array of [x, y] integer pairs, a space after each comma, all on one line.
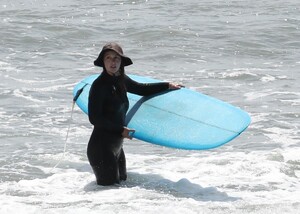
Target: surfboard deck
[[183, 119]]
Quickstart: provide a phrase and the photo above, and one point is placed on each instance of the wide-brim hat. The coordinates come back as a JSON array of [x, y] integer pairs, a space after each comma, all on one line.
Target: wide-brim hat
[[113, 47]]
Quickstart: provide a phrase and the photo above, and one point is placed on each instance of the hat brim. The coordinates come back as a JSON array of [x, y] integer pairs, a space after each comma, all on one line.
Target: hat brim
[[99, 61]]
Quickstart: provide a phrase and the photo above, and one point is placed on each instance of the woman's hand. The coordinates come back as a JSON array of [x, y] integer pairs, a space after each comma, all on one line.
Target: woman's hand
[[127, 133], [173, 86]]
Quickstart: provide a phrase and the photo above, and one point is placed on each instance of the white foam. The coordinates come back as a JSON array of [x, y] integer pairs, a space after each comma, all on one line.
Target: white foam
[[254, 95], [22, 94], [282, 136], [238, 73], [195, 184], [268, 78]]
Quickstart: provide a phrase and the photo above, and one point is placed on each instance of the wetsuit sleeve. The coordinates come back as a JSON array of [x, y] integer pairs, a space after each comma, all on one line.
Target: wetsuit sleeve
[[145, 89], [96, 113]]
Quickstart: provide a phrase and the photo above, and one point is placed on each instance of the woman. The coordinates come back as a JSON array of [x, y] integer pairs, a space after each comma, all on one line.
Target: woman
[[108, 104]]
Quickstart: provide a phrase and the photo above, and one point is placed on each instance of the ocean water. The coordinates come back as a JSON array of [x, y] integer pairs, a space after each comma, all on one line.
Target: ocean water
[[244, 52]]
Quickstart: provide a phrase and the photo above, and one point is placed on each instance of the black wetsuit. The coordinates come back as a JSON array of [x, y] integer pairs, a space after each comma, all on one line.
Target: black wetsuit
[[108, 104]]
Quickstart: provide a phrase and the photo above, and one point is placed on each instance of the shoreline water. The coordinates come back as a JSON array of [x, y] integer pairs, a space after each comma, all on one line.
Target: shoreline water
[[244, 53]]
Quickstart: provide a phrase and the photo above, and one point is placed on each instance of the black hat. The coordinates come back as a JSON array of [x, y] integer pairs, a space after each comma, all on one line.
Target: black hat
[[114, 47]]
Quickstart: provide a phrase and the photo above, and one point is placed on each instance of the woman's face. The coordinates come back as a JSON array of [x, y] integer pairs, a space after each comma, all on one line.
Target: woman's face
[[112, 62]]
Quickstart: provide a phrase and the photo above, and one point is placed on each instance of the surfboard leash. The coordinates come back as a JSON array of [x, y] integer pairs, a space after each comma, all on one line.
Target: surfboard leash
[[69, 126]]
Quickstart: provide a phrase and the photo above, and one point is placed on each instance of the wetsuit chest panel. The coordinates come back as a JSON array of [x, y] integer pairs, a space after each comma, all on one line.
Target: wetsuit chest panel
[[116, 104]]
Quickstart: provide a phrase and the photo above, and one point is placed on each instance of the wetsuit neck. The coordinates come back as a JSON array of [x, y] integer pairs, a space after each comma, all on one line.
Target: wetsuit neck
[[110, 78]]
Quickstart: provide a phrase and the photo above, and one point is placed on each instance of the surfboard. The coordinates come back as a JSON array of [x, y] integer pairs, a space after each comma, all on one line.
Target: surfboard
[[183, 119]]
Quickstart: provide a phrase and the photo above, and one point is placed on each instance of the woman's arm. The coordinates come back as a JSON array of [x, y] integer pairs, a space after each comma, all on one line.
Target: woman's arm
[[145, 89]]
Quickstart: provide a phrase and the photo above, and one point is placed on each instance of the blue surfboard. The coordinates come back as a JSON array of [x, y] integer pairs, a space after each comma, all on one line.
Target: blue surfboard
[[183, 119]]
